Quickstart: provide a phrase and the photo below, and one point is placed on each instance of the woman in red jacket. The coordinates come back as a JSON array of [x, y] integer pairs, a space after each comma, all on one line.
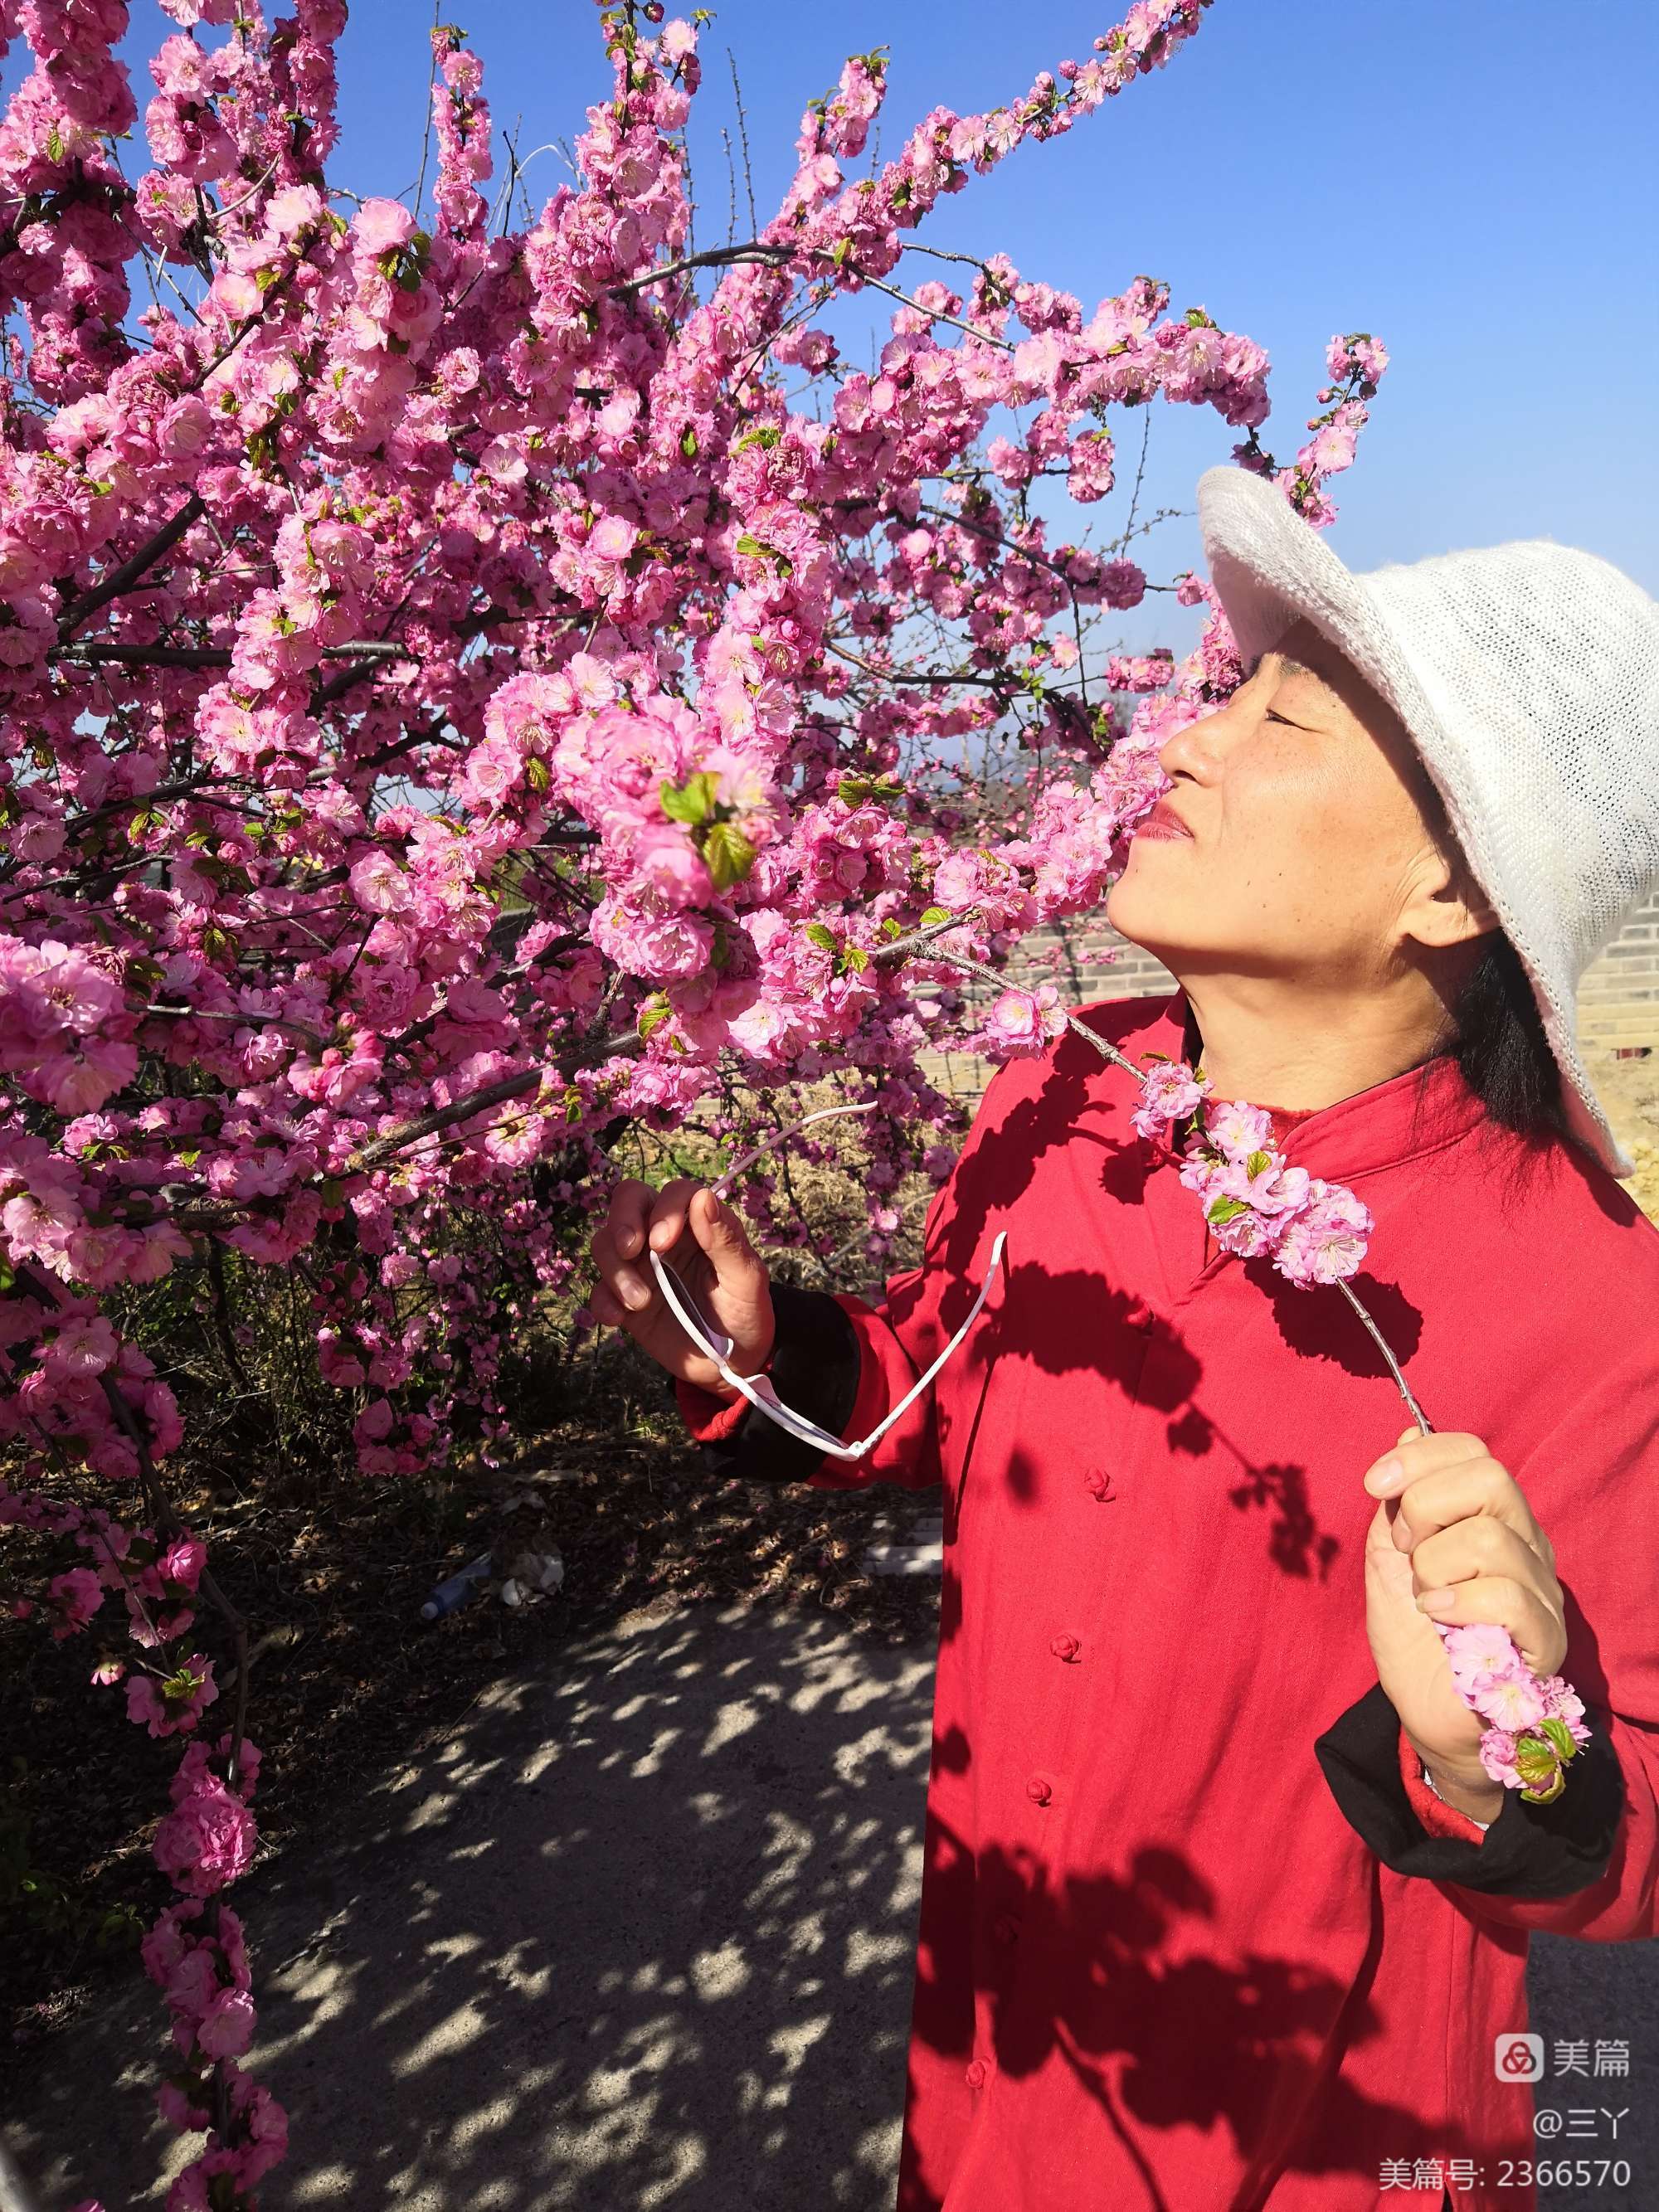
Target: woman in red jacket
[[1220, 1908]]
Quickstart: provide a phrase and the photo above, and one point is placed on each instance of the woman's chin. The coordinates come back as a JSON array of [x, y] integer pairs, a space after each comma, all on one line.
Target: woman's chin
[[1130, 907]]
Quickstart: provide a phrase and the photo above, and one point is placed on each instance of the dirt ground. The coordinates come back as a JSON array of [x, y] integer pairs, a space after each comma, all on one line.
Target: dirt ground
[[1629, 1090]]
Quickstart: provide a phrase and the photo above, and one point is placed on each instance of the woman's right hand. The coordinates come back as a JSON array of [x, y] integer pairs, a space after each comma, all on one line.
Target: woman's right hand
[[703, 1241]]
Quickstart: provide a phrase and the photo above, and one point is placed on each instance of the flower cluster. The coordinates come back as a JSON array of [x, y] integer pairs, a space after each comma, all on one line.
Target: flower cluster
[[1535, 1723], [1313, 1232], [195, 1952]]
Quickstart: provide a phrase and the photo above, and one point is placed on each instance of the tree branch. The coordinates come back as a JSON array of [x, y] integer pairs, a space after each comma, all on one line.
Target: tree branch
[[124, 578]]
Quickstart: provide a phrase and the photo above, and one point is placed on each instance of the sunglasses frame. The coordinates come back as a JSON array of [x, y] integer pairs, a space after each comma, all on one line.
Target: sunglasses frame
[[757, 1388]]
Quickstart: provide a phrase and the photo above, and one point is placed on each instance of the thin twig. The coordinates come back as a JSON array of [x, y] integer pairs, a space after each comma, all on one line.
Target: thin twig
[[431, 88], [743, 134]]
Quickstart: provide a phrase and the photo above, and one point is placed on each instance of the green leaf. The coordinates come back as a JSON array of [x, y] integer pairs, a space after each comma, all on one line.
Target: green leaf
[[854, 960], [692, 802], [854, 790], [934, 914], [656, 1012], [1535, 1758], [728, 853], [758, 551], [689, 443], [1560, 1735], [1259, 1163], [823, 938], [764, 434], [536, 773], [1221, 1211]]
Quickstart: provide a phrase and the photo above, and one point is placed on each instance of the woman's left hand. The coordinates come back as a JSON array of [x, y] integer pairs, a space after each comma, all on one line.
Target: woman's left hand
[[1453, 1540]]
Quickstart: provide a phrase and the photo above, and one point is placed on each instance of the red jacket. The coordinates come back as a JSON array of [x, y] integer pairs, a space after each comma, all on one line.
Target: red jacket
[[1194, 1935]]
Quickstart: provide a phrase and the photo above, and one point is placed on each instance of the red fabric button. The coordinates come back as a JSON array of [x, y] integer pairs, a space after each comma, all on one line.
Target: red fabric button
[[1099, 1486], [975, 2077], [1039, 1790], [1008, 1927], [1138, 1314], [1064, 1647]]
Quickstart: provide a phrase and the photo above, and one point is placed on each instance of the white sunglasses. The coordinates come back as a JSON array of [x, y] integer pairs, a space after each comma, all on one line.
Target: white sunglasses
[[757, 1388]]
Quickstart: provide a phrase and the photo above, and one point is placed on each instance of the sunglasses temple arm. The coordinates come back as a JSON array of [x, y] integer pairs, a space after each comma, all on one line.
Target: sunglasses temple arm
[[912, 1395], [780, 1136], [793, 1425]]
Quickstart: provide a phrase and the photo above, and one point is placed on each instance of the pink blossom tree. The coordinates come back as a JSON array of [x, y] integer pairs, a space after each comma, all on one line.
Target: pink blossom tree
[[461, 689]]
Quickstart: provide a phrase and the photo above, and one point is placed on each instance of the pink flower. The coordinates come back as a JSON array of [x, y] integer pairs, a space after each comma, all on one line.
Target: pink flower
[[207, 1841], [1025, 1021], [1511, 1703], [175, 1706], [181, 1564], [1326, 1242], [1236, 1130], [1478, 1653], [76, 1596], [381, 225], [1170, 1092], [83, 1347], [380, 885], [225, 2028]]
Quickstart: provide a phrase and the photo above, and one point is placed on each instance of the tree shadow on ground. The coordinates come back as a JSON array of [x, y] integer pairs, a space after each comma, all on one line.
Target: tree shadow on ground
[[641, 1930]]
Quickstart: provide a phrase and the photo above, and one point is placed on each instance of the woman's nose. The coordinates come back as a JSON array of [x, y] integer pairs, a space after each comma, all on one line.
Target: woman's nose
[[1191, 751]]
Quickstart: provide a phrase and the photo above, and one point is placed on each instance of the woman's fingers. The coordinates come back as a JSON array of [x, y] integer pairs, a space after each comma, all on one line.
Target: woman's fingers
[[666, 1223], [703, 1241], [619, 1242], [722, 1235], [626, 1284], [1500, 1602], [1480, 1562], [1475, 1488]]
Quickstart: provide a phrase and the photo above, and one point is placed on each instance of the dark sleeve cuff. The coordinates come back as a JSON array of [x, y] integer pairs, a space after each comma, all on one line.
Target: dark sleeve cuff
[[814, 1368], [1529, 1851]]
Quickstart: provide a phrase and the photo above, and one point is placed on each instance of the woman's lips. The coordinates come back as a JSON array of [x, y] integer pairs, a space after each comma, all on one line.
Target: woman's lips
[[1161, 822]]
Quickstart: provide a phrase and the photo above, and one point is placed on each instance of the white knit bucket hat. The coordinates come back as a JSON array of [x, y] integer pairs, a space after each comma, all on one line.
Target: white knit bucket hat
[[1527, 677]]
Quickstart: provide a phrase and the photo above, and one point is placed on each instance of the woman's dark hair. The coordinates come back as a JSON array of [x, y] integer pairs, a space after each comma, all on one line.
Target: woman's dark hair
[[1497, 1037], [1495, 1031]]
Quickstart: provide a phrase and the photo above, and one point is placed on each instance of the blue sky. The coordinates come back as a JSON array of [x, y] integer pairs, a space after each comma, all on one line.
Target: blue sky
[[1465, 180]]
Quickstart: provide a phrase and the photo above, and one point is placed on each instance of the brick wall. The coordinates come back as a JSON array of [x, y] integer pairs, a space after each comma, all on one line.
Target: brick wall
[[1618, 996]]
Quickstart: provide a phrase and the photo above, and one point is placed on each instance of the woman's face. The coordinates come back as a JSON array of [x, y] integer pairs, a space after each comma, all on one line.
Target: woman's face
[[1311, 854]]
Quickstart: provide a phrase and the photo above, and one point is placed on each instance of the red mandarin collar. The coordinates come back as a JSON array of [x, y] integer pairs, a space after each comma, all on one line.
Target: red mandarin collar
[[1392, 1122]]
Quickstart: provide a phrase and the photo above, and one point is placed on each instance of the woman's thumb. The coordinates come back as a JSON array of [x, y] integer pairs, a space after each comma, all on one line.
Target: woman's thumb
[[720, 1234]]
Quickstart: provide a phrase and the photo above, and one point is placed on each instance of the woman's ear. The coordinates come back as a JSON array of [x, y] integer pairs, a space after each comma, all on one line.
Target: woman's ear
[[1446, 906]]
